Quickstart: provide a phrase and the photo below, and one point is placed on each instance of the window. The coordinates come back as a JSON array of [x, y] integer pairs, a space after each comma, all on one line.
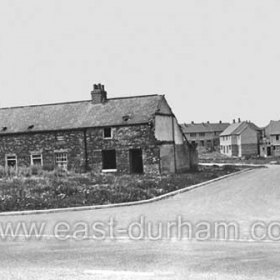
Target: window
[[61, 160], [60, 138], [202, 134], [36, 159], [109, 160], [202, 143], [192, 134], [277, 137], [11, 161], [107, 133]]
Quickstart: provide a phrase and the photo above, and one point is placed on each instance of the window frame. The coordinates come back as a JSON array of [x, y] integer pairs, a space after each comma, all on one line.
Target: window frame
[[104, 133], [61, 163], [60, 138], [32, 159], [15, 158]]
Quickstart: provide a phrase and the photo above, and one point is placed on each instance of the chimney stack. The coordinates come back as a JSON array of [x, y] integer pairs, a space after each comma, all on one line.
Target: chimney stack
[[98, 95], [220, 121]]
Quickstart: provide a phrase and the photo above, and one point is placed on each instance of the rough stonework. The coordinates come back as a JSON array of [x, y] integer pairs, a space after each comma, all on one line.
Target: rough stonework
[[124, 135]]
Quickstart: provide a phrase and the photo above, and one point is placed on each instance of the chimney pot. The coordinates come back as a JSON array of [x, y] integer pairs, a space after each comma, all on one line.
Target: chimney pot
[[98, 94], [233, 121], [239, 120]]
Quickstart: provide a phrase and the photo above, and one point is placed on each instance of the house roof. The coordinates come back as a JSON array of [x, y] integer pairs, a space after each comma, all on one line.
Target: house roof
[[273, 128], [204, 127], [73, 115], [237, 128]]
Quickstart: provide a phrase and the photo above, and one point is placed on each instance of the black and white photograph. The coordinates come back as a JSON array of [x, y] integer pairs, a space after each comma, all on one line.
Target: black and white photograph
[[139, 140]]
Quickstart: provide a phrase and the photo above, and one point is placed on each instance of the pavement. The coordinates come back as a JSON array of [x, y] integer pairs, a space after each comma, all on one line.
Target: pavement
[[175, 238]]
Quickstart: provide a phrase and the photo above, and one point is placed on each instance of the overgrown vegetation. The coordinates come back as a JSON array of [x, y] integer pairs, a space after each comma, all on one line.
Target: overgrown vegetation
[[34, 188]]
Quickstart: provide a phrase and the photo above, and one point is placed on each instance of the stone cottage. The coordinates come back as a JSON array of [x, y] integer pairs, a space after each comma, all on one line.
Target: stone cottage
[[138, 134]]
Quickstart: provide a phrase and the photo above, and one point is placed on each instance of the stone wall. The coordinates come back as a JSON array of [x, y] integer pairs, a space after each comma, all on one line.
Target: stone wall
[[47, 143], [84, 149], [123, 139]]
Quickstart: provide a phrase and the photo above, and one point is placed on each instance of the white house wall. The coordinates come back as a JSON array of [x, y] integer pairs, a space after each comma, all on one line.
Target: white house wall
[[164, 128]]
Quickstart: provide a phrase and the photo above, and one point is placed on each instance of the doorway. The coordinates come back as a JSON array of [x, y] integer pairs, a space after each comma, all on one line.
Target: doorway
[[268, 151], [136, 161], [109, 160]]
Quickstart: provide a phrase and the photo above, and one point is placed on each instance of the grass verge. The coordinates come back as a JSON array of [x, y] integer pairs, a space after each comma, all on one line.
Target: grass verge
[[61, 190]]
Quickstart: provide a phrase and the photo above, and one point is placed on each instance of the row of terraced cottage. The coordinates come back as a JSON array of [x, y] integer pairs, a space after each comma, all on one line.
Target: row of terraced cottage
[[241, 138], [137, 134]]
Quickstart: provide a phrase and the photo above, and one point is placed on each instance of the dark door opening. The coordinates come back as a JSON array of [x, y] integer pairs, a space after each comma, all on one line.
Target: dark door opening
[[109, 159], [268, 151], [136, 161]]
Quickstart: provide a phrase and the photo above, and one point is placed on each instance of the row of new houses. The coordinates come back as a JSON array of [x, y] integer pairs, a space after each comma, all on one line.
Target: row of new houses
[[241, 138], [204, 135]]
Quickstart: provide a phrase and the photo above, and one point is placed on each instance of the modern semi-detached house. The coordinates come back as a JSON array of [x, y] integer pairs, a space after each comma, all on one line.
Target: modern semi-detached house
[[240, 139], [270, 144], [137, 134]]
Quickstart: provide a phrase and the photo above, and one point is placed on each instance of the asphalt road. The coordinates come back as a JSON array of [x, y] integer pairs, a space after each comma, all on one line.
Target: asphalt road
[[101, 244]]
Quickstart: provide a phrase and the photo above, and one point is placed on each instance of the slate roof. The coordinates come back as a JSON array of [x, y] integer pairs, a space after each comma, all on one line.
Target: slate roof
[[273, 128], [80, 114], [237, 128], [204, 127]]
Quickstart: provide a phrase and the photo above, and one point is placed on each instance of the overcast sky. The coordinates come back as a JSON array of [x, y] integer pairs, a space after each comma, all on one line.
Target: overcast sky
[[214, 60]]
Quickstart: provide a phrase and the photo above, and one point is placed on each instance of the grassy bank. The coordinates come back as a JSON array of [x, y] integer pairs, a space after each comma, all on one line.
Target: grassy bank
[[58, 189], [219, 158]]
